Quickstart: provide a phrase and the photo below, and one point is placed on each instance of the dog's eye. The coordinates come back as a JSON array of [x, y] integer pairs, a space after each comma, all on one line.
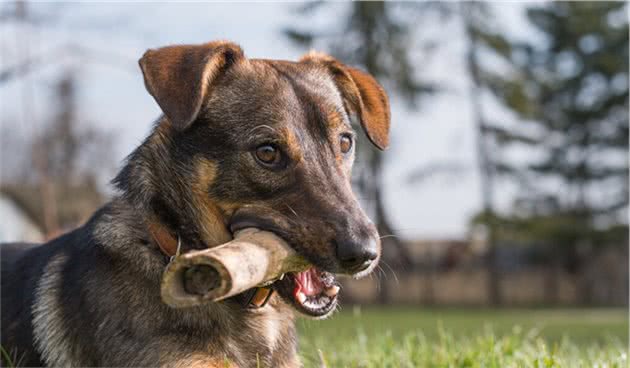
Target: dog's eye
[[345, 143], [268, 155]]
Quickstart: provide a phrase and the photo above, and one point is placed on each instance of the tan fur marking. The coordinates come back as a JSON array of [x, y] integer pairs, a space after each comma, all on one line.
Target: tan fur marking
[[334, 119], [336, 123], [213, 228], [293, 144], [203, 361]]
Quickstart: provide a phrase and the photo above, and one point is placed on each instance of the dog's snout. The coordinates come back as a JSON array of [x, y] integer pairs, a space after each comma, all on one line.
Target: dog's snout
[[357, 255]]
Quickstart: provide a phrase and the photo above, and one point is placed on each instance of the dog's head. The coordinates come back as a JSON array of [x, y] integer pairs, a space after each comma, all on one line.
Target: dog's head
[[267, 144]]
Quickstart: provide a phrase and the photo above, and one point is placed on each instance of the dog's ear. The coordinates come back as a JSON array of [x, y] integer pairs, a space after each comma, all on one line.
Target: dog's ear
[[362, 95], [178, 77]]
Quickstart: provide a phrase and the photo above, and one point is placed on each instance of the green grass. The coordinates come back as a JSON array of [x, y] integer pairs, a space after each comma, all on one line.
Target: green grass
[[422, 337]]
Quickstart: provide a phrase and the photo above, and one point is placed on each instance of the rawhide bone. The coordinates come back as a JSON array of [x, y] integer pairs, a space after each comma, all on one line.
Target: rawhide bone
[[253, 258]]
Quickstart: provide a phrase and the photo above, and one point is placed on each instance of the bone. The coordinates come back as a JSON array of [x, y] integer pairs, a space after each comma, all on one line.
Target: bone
[[253, 258]]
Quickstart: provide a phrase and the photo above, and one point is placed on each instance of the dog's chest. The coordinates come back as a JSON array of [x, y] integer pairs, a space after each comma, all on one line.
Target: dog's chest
[[264, 337]]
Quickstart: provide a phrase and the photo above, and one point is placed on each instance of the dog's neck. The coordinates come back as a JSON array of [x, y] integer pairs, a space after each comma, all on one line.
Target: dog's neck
[[152, 181], [121, 229], [174, 218]]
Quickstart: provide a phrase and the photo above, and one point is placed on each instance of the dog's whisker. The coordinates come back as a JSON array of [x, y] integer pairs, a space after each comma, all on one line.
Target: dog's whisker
[[295, 213], [392, 271], [378, 284], [382, 272], [377, 277], [371, 276]]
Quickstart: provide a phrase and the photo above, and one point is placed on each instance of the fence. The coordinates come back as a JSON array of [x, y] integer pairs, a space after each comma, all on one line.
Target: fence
[[602, 280]]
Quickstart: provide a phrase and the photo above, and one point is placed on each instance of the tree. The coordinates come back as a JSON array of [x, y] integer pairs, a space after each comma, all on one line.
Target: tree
[[570, 95], [53, 172], [55, 182], [480, 34]]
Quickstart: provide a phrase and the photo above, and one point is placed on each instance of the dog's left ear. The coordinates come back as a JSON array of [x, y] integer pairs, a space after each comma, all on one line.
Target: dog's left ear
[[362, 95], [179, 77]]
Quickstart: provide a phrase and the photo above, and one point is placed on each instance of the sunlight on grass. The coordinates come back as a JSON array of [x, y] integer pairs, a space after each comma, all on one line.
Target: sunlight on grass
[[381, 338]]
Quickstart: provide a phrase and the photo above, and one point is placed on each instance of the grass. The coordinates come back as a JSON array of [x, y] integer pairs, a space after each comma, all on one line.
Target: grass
[[420, 337], [6, 358]]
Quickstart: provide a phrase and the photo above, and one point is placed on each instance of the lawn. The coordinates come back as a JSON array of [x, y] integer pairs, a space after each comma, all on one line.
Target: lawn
[[425, 337]]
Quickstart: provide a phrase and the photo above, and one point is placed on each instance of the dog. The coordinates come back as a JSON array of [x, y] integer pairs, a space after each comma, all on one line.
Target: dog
[[241, 143]]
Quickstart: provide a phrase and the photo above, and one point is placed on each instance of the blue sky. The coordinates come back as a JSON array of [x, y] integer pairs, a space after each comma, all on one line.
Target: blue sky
[[112, 93]]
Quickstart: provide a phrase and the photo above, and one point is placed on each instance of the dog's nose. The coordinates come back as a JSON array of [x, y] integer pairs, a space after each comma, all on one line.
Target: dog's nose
[[356, 256]]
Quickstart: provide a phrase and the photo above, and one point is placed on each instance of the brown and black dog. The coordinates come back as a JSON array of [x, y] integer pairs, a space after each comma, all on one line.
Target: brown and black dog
[[242, 143]]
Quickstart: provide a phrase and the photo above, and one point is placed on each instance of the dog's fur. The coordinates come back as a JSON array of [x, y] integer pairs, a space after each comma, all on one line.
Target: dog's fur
[[91, 297]]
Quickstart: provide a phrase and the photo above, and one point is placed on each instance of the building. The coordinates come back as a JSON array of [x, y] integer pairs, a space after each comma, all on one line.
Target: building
[[15, 224]]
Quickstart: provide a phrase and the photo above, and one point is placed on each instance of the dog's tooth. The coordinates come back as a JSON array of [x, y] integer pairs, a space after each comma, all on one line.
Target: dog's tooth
[[332, 291], [301, 297]]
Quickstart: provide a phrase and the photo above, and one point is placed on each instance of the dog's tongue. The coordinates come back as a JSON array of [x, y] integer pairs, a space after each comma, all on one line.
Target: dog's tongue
[[312, 287], [309, 282]]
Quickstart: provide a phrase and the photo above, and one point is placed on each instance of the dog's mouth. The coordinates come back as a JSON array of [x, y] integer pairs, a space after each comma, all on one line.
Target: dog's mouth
[[312, 292]]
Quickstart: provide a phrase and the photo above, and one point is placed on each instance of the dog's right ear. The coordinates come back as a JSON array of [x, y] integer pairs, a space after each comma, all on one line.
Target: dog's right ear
[[362, 94], [179, 77]]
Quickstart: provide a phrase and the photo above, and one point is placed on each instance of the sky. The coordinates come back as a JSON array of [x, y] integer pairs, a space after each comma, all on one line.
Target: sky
[[113, 97]]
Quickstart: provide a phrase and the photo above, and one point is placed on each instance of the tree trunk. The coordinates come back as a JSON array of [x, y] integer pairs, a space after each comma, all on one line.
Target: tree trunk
[[485, 165], [403, 261], [47, 193], [551, 282]]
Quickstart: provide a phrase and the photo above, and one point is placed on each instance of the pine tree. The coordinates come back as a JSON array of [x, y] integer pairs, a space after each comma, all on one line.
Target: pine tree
[[569, 91], [481, 34]]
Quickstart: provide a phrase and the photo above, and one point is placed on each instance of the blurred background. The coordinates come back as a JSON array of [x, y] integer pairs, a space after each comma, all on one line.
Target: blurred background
[[506, 183]]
